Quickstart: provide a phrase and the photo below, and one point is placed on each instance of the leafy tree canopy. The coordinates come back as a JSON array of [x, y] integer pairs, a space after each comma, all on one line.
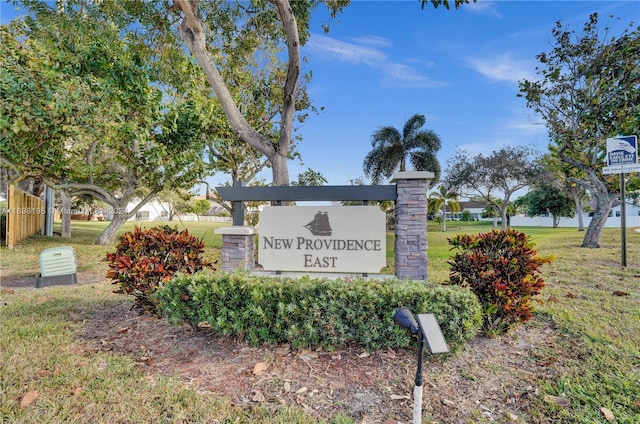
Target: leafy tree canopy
[[310, 178], [441, 199], [500, 173], [221, 36], [445, 3], [84, 110], [391, 149], [588, 91], [548, 198]]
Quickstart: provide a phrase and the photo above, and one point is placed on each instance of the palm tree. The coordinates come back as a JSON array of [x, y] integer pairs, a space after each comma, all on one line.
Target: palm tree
[[391, 150], [440, 199]]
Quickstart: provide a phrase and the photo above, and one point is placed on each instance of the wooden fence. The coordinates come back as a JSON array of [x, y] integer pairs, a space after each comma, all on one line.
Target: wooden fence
[[25, 215]]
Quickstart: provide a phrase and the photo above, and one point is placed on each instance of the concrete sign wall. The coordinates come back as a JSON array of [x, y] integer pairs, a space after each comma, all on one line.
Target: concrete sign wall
[[322, 239]]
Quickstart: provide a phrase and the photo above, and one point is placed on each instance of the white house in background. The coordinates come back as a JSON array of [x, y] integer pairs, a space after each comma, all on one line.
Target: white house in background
[[475, 208], [153, 210], [630, 210], [613, 221]]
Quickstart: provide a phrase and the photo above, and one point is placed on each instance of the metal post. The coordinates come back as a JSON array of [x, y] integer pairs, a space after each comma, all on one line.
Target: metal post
[[623, 220], [48, 212], [238, 208], [366, 203], [417, 390]]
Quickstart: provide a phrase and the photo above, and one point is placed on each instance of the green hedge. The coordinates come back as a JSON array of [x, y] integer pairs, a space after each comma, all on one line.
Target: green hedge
[[316, 312]]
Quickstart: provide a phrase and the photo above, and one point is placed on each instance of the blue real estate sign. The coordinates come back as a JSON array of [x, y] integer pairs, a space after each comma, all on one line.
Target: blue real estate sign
[[622, 155], [622, 150]]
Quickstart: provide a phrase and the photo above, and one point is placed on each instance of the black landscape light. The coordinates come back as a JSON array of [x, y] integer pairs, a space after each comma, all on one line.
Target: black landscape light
[[427, 331], [404, 318]]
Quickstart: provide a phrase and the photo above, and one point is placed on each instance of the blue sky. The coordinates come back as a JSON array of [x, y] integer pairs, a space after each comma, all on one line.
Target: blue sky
[[384, 61]]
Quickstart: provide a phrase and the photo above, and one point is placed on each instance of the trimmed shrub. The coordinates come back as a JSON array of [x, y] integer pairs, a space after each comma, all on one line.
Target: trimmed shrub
[[502, 269], [146, 259], [309, 312]]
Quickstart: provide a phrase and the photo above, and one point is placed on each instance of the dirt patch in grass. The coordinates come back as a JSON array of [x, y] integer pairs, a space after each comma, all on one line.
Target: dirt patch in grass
[[490, 380]]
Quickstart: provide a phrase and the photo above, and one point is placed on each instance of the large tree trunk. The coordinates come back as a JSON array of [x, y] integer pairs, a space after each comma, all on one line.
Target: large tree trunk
[[119, 205], [594, 230], [66, 214], [108, 236], [444, 218], [503, 216], [580, 212], [600, 215], [279, 169], [579, 208], [192, 33]]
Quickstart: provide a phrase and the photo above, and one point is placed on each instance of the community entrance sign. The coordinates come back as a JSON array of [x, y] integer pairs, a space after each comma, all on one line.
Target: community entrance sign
[[322, 239], [347, 239]]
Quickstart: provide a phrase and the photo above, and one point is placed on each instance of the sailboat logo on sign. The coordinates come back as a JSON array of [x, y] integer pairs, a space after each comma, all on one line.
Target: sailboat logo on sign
[[320, 225], [622, 151]]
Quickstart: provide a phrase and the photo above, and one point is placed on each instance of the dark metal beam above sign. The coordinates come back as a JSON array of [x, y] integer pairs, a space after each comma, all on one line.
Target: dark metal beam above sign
[[308, 193]]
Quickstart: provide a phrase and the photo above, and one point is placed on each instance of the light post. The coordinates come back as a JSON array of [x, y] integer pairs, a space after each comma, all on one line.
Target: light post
[[427, 331]]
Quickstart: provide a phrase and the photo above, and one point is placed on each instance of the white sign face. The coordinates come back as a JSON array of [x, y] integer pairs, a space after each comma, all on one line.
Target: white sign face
[[322, 239], [622, 150]]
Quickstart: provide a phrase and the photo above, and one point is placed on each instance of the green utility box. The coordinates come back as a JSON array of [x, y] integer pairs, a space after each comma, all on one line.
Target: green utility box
[[57, 267]]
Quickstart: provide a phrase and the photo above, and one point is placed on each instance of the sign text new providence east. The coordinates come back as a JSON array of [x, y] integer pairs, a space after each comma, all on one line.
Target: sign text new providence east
[[322, 239]]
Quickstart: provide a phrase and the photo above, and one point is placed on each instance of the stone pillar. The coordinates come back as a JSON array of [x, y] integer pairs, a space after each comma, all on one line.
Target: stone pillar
[[238, 248], [411, 224]]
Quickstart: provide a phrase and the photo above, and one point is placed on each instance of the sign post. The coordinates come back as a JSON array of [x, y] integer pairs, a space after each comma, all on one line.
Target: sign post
[[622, 157], [623, 221]]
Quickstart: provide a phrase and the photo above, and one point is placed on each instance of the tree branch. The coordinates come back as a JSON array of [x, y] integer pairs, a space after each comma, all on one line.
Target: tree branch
[[80, 188], [293, 71], [192, 33]]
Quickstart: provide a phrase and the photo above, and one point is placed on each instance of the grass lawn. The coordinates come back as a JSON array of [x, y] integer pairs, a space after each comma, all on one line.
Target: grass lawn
[[589, 298]]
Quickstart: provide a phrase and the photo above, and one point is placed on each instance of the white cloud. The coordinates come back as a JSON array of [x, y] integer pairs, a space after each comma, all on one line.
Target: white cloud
[[527, 126], [483, 7], [407, 76], [347, 52], [516, 131], [373, 41], [368, 51], [504, 67]]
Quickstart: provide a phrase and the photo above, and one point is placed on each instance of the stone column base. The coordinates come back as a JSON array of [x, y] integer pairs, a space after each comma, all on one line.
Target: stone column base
[[238, 248]]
